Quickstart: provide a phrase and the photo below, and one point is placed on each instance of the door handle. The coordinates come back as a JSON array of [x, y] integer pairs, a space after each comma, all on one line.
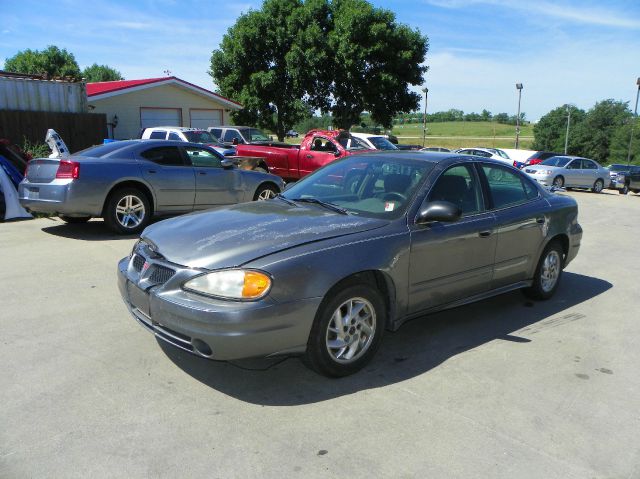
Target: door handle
[[484, 234], [541, 221], [151, 171], [202, 172], [309, 156]]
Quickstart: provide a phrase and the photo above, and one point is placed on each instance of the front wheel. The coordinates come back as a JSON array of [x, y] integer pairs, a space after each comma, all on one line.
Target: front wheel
[[265, 192], [347, 331], [127, 211], [624, 190], [74, 219], [597, 186], [548, 272], [558, 182]]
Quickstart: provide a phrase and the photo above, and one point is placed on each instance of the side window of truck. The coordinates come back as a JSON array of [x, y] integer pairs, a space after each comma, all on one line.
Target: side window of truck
[[158, 135], [230, 135], [322, 144]]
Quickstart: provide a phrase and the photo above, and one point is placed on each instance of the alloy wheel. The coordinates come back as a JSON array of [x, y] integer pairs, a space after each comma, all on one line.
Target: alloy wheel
[[351, 330], [550, 271], [130, 211]]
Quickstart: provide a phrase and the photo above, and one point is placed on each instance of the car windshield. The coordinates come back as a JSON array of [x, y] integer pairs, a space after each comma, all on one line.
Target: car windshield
[[253, 134], [559, 161], [200, 136], [381, 143], [368, 186]]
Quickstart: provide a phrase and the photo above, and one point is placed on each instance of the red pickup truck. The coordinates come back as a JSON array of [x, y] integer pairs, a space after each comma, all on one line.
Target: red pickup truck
[[292, 162]]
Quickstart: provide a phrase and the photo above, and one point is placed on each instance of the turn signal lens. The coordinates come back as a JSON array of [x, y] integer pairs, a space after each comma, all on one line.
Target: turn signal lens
[[231, 284]]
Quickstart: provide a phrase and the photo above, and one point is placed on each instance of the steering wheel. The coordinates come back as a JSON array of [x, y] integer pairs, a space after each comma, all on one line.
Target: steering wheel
[[394, 195]]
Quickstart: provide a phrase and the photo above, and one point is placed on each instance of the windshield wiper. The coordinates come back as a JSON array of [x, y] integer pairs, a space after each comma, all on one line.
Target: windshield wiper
[[329, 206], [286, 200]]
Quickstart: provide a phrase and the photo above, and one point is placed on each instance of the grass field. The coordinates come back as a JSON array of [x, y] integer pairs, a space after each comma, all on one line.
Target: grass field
[[460, 134]]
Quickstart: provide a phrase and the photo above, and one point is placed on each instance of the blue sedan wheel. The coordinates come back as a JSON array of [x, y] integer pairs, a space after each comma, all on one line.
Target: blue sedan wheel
[[347, 330], [127, 211]]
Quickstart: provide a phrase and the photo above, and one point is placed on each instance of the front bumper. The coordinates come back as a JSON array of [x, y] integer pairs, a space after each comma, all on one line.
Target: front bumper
[[211, 328]]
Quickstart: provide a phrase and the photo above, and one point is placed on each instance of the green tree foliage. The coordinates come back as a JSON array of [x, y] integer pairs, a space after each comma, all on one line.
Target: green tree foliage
[[550, 132], [51, 61], [342, 57], [595, 133], [619, 147], [98, 73]]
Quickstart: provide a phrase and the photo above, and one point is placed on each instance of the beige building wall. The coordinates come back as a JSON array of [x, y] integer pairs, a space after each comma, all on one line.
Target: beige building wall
[[127, 107]]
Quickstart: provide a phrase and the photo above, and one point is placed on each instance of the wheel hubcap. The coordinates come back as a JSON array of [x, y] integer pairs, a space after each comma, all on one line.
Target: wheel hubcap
[[351, 330], [598, 186], [550, 271], [266, 195], [130, 211], [558, 182]]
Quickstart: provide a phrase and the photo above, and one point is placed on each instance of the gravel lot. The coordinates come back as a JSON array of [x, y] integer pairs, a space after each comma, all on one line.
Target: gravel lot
[[505, 388]]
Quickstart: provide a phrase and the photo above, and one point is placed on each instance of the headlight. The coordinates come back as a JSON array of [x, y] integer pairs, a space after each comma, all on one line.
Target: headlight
[[231, 284], [620, 177]]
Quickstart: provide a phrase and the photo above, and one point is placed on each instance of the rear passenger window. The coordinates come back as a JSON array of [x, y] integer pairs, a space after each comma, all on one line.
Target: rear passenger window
[[216, 132], [459, 185], [164, 155], [589, 165], [508, 188], [158, 135], [174, 136]]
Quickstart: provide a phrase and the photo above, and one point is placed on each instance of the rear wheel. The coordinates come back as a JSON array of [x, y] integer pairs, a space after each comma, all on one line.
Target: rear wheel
[[72, 220], [347, 331], [127, 211], [548, 272], [558, 182], [265, 192], [597, 186]]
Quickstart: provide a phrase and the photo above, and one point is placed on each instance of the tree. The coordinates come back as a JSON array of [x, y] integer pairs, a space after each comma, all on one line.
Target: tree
[[51, 61], [501, 118], [619, 147], [374, 61], [550, 132], [342, 57], [595, 133], [269, 60], [98, 73]]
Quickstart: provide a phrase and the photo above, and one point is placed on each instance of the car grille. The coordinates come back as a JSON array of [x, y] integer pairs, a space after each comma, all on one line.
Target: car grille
[[138, 262], [161, 274], [156, 273], [168, 335]]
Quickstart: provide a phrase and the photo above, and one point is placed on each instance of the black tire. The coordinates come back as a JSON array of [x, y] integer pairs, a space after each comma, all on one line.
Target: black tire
[[73, 220], [318, 356], [115, 218], [265, 192], [558, 182], [624, 190], [598, 186], [538, 289]]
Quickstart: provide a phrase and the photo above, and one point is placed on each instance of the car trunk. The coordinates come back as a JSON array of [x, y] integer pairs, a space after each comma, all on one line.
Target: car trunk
[[42, 170]]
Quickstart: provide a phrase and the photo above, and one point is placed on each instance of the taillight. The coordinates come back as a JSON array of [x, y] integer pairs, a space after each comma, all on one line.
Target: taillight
[[68, 169], [26, 170]]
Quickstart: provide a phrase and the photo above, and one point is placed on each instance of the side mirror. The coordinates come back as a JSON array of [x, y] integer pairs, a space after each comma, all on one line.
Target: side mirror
[[438, 211], [235, 141], [336, 154], [227, 164]]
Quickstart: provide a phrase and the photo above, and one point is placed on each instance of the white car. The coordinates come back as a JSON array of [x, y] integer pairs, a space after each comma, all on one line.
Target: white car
[[181, 133], [493, 153], [375, 142]]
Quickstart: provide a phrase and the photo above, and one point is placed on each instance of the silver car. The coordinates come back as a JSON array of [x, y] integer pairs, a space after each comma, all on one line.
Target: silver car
[[128, 182], [359, 246], [570, 172]]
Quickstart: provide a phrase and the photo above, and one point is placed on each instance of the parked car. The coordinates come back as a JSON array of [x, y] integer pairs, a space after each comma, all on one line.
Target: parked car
[[435, 148], [238, 135], [374, 142], [361, 245], [292, 134], [570, 172], [539, 157], [493, 153], [408, 147], [317, 148], [128, 182], [190, 135], [624, 178]]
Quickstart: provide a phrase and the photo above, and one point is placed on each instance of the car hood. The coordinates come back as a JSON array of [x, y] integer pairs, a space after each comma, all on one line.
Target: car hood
[[234, 235]]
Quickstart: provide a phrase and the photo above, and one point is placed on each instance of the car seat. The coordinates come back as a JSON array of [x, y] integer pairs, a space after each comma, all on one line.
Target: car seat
[[395, 183], [454, 189]]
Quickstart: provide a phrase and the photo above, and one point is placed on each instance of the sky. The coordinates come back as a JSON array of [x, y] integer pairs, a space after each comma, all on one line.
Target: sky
[[577, 52]]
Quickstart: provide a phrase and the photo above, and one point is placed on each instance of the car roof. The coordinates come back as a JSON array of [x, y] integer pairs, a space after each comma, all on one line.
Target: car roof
[[367, 135], [179, 128], [120, 145]]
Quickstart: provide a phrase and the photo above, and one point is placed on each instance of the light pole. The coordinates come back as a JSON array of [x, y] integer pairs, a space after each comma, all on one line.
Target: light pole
[[566, 138], [635, 120], [519, 88], [424, 119]]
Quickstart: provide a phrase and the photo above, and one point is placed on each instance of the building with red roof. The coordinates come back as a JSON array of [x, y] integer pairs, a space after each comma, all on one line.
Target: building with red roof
[[131, 105]]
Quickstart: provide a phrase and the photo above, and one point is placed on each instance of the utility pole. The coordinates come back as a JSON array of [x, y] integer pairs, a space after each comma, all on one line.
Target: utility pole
[[519, 88], [424, 119], [566, 138], [635, 119]]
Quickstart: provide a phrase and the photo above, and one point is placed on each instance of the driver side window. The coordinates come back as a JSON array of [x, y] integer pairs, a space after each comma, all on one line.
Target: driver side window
[[459, 185], [322, 144]]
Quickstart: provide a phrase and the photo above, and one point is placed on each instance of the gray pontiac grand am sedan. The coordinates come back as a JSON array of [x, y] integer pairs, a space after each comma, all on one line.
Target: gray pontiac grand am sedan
[[128, 182], [359, 246]]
